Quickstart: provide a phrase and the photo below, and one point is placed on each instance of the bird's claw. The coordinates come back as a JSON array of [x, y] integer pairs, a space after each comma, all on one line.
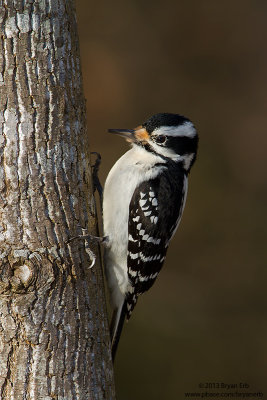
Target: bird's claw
[[96, 181], [90, 238]]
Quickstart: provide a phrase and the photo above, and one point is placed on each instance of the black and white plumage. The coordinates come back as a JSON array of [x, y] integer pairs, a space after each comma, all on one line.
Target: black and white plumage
[[144, 198]]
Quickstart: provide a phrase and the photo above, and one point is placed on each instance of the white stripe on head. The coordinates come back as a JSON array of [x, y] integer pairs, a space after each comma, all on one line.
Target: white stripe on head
[[187, 159], [169, 153], [164, 151], [186, 129]]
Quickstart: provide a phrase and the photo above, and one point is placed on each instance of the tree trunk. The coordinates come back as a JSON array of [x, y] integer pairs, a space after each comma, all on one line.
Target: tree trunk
[[54, 340]]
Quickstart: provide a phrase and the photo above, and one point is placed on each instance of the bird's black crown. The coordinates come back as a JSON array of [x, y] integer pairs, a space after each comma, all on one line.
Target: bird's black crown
[[164, 119]]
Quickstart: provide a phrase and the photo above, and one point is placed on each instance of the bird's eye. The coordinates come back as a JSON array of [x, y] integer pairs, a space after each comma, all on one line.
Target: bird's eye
[[161, 139]]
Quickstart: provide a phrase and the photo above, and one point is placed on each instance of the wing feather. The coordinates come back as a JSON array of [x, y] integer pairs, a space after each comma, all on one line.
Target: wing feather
[[155, 211]]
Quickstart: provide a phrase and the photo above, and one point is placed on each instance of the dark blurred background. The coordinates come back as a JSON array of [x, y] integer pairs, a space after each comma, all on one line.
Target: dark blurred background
[[205, 319]]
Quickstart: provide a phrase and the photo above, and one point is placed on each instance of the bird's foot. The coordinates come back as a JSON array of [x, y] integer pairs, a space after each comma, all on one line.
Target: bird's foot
[[88, 240], [96, 182]]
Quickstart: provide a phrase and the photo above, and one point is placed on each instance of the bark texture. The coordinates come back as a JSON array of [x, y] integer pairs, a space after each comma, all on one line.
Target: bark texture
[[54, 341]]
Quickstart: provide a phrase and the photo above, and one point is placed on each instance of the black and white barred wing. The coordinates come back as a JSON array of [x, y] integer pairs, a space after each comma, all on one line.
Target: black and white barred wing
[[152, 221]]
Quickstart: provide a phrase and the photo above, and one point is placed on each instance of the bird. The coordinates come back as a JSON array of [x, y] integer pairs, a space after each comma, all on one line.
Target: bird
[[143, 202]]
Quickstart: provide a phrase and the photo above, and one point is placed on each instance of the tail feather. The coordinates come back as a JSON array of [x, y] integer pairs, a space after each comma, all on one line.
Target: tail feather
[[116, 326]]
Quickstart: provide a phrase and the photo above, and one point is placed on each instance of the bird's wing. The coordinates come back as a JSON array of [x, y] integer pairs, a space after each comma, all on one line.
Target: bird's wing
[[154, 213]]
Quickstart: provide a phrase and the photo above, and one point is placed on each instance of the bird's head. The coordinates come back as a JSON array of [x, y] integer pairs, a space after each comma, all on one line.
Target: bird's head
[[170, 136]]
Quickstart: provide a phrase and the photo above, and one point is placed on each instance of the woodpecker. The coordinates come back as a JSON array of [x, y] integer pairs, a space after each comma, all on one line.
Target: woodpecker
[[143, 201]]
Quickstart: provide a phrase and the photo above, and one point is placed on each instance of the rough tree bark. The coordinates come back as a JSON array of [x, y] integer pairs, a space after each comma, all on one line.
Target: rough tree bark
[[54, 341]]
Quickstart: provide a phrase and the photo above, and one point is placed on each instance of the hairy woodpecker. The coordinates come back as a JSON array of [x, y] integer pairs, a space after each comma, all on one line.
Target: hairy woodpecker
[[144, 198]]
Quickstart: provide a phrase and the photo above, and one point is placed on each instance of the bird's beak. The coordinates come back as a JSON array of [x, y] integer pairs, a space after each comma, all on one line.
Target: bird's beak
[[138, 134], [128, 134]]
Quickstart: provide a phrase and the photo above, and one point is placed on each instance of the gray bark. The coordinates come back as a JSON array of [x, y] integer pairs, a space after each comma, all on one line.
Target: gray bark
[[54, 341]]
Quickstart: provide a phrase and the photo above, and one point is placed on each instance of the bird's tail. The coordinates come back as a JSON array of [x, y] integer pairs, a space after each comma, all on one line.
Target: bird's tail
[[116, 326]]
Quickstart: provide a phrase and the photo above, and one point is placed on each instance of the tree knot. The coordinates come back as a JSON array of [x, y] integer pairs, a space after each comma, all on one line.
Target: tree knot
[[22, 271]]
